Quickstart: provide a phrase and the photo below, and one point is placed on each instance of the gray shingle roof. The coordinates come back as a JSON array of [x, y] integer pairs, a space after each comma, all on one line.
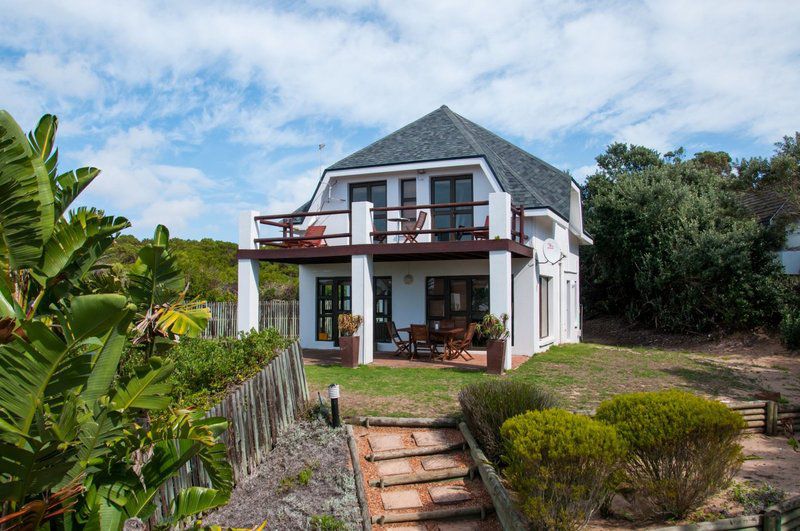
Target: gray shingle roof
[[443, 135], [767, 205]]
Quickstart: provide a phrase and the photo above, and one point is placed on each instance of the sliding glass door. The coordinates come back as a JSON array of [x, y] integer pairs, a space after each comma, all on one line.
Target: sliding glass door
[[456, 189], [334, 298], [462, 300], [375, 193]]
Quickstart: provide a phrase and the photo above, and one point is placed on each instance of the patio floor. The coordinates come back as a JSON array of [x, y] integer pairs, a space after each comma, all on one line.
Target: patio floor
[[388, 359]]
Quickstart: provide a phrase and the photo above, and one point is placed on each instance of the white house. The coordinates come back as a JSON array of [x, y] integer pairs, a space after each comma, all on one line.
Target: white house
[[523, 262], [769, 207]]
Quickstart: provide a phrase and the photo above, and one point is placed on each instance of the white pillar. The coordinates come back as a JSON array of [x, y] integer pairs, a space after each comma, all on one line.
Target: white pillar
[[361, 274], [247, 295], [500, 263]]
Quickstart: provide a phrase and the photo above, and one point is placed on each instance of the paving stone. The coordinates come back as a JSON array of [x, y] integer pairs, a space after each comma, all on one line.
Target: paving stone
[[400, 499], [410, 528], [393, 467], [449, 494], [440, 462], [434, 438], [460, 526], [382, 443]]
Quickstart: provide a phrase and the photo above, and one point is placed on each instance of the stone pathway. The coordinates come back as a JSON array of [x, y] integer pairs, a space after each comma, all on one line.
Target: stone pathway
[[426, 488]]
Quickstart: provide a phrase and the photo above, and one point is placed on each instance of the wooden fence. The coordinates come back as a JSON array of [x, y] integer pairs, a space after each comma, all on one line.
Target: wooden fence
[[281, 315], [257, 412], [784, 516], [766, 416]]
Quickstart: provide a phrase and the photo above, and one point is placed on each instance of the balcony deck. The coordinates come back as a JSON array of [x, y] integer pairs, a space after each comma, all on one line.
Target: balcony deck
[[389, 252], [420, 242]]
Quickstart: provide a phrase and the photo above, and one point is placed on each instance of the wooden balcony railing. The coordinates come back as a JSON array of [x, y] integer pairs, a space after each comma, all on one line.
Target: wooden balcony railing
[[290, 236]]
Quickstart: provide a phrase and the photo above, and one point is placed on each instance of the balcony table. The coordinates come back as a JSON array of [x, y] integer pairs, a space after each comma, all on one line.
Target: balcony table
[[445, 335], [399, 220]]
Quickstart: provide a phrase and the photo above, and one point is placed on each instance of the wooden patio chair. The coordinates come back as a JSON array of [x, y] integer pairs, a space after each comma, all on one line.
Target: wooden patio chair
[[380, 238], [403, 346], [482, 234], [411, 236], [421, 341], [459, 347], [313, 230]]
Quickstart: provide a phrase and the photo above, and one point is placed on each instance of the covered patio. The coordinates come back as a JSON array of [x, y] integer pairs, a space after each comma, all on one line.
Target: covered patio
[[389, 359]]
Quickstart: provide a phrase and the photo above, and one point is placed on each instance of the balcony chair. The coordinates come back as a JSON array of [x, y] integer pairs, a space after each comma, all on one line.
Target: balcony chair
[[378, 238], [421, 341], [403, 346], [313, 230], [459, 347], [411, 236], [482, 234]]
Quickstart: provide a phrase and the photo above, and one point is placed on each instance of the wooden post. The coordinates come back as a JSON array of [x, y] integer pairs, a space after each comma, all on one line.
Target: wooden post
[[771, 427], [772, 518]]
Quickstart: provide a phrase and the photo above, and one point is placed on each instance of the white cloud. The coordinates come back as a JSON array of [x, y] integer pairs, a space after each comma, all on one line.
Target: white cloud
[[288, 76]]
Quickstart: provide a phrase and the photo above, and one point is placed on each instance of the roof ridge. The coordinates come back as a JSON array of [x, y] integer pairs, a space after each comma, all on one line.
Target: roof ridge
[[397, 131], [508, 168]]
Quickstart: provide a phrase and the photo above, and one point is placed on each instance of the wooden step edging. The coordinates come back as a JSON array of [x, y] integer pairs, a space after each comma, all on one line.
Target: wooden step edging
[[438, 514], [361, 492], [510, 518], [415, 452], [399, 422], [424, 477]]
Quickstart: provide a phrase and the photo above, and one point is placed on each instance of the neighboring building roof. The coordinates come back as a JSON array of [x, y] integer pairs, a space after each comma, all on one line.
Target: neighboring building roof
[[443, 135], [767, 205]]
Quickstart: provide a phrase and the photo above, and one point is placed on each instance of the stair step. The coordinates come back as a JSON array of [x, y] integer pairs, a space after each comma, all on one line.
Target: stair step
[[412, 452], [444, 494], [422, 477], [438, 514]]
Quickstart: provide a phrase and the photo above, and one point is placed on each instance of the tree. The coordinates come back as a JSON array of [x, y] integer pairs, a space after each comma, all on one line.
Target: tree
[[72, 445], [672, 248]]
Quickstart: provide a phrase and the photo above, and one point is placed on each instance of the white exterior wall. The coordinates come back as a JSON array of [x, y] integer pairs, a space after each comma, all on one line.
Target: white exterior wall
[[790, 256]]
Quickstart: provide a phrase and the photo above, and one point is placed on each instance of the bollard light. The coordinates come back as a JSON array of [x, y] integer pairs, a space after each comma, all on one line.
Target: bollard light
[[333, 394]]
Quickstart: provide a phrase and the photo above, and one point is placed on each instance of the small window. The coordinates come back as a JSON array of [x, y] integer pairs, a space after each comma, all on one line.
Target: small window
[[408, 197], [544, 306]]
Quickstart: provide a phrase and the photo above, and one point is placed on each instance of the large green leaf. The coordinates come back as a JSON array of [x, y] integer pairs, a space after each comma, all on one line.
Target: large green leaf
[[156, 273], [70, 185], [26, 196], [185, 319], [148, 389], [73, 239], [31, 468], [195, 500]]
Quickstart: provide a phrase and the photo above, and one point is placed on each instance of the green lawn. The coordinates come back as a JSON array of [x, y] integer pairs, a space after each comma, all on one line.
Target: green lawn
[[580, 375]]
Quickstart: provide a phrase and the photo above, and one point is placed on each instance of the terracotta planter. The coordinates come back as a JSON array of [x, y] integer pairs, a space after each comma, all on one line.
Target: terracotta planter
[[349, 347], [495, 352]]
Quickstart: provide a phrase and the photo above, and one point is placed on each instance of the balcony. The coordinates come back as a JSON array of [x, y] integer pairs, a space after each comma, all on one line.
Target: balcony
[[441, 231]]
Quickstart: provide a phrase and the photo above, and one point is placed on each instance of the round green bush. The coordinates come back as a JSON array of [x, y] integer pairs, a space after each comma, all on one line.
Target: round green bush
[[682, 448], [488, 404], [562, 465]]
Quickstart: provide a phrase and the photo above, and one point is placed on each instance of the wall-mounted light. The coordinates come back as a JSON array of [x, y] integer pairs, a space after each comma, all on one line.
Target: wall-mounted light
[[421, 172], [408, 279]]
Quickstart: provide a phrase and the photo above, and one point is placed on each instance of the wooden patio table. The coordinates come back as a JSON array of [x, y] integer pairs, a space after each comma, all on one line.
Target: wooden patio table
[[445, 335]]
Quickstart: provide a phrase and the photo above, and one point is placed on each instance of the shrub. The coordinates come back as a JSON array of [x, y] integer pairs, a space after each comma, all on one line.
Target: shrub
[[206, 368], [326, 522], [561, 464], [754, 499], [488, 404], [682, 448], [790, 330]]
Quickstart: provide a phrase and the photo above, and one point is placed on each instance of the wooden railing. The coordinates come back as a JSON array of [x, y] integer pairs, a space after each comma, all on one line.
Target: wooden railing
[[290, 237]]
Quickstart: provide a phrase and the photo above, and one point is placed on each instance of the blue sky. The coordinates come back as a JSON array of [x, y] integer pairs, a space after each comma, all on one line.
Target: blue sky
[[197, 110]]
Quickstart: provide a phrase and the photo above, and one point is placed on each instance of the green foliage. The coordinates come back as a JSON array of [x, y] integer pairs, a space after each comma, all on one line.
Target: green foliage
[[493, 328], [210, 268], [205, 369], [301, 479], [790, 328], [561, 464], [326, 522], [71, 434], [682, 448], [754, 499], [672, 248], [488, 404]]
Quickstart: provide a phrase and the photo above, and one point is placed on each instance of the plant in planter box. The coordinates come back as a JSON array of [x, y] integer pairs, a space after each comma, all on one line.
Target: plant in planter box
[[348, 341], [495, 330]]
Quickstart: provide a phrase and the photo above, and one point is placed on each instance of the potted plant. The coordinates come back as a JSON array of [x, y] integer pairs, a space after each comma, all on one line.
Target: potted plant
[[348, 341], [495, 330]]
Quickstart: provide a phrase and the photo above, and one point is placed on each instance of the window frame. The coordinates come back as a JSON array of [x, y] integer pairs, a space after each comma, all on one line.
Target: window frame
[[452, 212], [545, 292]]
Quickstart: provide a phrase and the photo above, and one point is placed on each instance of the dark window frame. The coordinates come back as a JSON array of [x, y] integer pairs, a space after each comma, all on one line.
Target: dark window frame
[[545, 284], [335, 305], [382, 337], [378, 218], [411, 214]]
